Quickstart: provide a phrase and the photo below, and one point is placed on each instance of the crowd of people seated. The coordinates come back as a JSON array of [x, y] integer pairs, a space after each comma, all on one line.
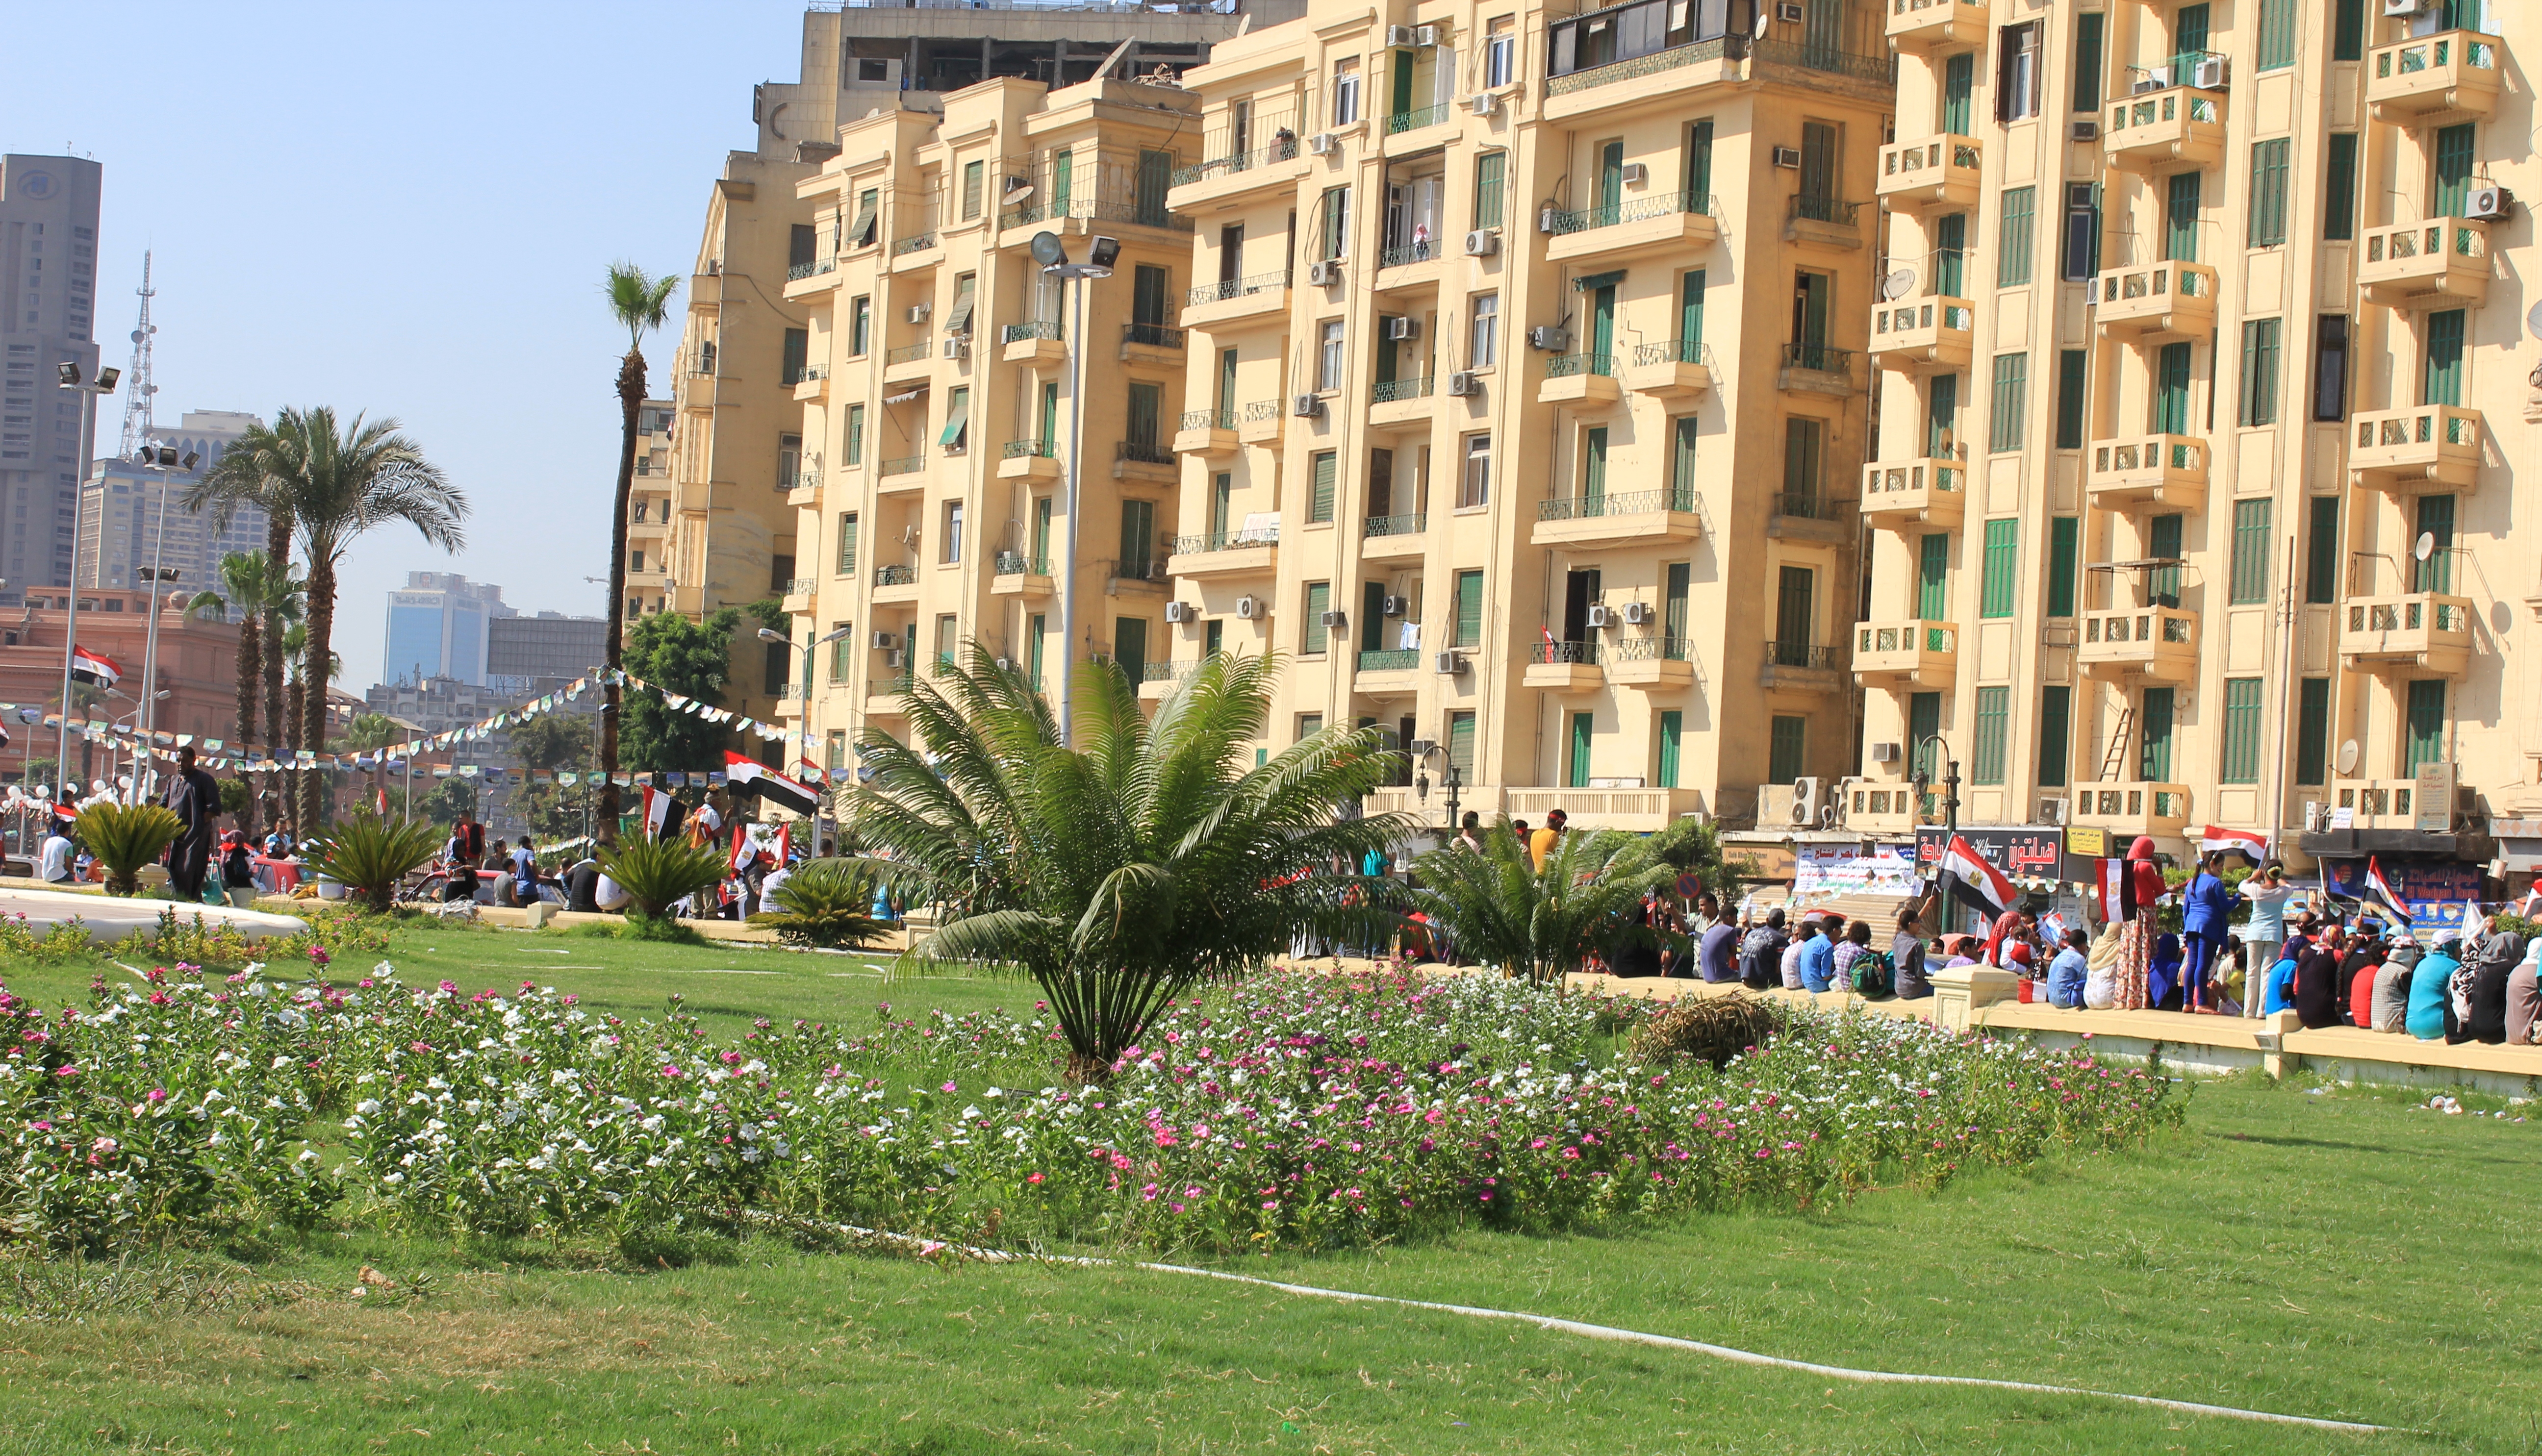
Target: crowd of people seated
[[2483, 988]]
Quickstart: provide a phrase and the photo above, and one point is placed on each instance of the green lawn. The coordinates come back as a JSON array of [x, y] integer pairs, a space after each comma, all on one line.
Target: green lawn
[[2297, 1249]]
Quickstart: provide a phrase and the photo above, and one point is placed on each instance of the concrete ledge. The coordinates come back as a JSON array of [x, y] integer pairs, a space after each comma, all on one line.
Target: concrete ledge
[[109, 919]]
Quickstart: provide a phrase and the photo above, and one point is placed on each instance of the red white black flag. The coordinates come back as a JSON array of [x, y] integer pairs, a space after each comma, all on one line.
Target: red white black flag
[[93, 668]]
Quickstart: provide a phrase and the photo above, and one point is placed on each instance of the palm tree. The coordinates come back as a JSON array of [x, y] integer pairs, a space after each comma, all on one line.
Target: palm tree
[[335, 483], [295, 696], [260, 592], [1500, 910], [640, 302], [1120, 873]]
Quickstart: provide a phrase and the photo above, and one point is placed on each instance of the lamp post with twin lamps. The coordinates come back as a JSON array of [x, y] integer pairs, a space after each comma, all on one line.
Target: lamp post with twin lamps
[[89, 395], [1924, 781], [1052, 255]]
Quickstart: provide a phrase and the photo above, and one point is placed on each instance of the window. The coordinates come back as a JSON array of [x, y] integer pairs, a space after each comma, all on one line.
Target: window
[[972, 181], [2442, 382], [2312, 730], [1933, 577], [1150, 286], [2055, 714], [1492, 173], [1674, 613], [1994, 711], [1689, 315], [952, 534], [2276, 34], [2269, 192], [2241, 730], [2002, 568], [2153, 752], [1924, 720], [2321, 550], [846, 543], [868, 214], [2072, 378], [860, 327], [2248, 581], [1683, 431], [1788, 750], [2435, 521], [2082, 250], [1795, 604], [2339, 208], [789, 461], [1942, 416], [1500, 51], [956, 435], [1802, 464], [798, 348], [1139, 539], [2179, 216], [1313, 637], [1461, 744], [1584, 731], [1468, 630], [2424, 729], [2011, 402], [1698, 166], [2330, 366], [2016, 72], [1037, 635], [1474, 486], [2065, 554], [2087, 62], [1328, 357], [1671, 727], [1332, 238], [779, 660], [2348, 30], [2260, 371], [1483, 351], [1130, 646], [855, 432], [2162, 544], [1958, 83], [1346, 92], [635, 559], [2014, 245], [1319, 502]]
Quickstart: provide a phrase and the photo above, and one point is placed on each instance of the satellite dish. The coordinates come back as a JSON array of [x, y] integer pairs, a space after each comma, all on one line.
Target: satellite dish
[[2348, 753], [2533, 321], [1046, 249], [1897, 284], [1764, 19], [2424, 547]]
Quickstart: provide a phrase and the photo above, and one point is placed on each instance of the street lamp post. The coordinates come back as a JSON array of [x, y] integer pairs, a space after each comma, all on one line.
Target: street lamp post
[[89, 395], [1950, 808], [164, 460], [1048, 252]]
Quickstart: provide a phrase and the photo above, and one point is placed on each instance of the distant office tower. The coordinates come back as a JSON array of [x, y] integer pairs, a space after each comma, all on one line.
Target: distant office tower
[[121, 519], [521, 651], [437, 628], [47, 299]]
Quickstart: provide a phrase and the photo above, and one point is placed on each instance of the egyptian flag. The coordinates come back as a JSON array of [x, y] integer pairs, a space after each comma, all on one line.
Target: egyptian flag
[[2248, 843], [772, 786], [2380, 892], [65, 813], [1979, 884], [2118, 891], [381, 795], [93, 668], [661, 813]]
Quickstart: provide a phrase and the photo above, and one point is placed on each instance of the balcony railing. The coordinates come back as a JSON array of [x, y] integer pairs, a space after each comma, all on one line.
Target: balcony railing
[[1035, 328], [1038, 449], [1261, 410], [1804, 505], [1146, 215], [806, 374], [1409, 252], [895, 576], [1819, 358], [1674, 351], [905, 353], [896, 684], [1800, 655], [1615, 503], [1220, 418], [1879, 70], [918, 244], [1227, 540], [1226, 288], [904, 466], [1168, 672], [804, 480], [1651, 649], [1571, 366], [1843, 214], [1889, 479], [1153, 569], [1644, 65], [1411, 525], [1283, 150], [1416, 118], [799, 586], [1905, 636], [1391, 660], [1394, 390], [1143, 452], [1583, 654], [1151, 336], [1016, 563], [1665, 204], [828, 264]]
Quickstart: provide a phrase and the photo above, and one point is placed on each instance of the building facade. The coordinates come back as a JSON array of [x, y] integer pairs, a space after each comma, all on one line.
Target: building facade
[[48, 208], [131, 518], [438, 627], [196, 666], [522, 650]]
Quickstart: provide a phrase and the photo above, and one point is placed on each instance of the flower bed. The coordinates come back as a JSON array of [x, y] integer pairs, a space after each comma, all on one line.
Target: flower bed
[[1291, 1109]]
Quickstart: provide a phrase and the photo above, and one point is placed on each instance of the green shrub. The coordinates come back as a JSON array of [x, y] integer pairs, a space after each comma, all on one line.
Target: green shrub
[[829, 905], [370, 855], [124, 837], [660, 873]]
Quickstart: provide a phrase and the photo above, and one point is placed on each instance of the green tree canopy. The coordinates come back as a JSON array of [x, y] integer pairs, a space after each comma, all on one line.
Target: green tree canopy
[[557, 740], [451, 800], [692, 659]]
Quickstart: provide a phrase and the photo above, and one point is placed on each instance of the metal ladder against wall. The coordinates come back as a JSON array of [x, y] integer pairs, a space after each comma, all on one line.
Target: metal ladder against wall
[[2117, 758]]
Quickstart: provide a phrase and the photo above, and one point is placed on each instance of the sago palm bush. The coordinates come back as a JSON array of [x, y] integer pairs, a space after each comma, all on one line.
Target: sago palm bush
[[124, 837], [370, 855], [1500, 910], [1141, 859], [657, 874], [828, 904]]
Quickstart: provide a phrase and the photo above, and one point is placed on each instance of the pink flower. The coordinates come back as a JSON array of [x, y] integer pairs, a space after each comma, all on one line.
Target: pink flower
[[1032, 1178]]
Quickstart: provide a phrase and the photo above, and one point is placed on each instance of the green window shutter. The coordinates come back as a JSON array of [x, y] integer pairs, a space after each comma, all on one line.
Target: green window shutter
[[1681, 477], [1063, 174], [2261, 354], [2008, 419], [2241, 730], [1788, 757], [2087, 61], [2348, 29], [1950, 254], [1801, 440], [1933, 577], [2339, 207], [2426, 728], [1941, 415], [1138, 533], [1698, 167], [1313, 637], [2321, 550], [971, 189], [2442, 384], [2002, 568], [855, 441], [1924, 720], [1130, 646], [2452, 177], [1469, 610], [1146, 408], [1491, 177], [1156, 174], [2074, 380], [2312, 730], [2055, 711], [1461, 744], [1319, 502], [1034, 637], [1593, 464], [846, 543], [2269, 192], [2162, 538], [2437, 522], [798, 353], [2153, 756], [1958, 82], [1584, 728], [1689, 312], [2179, 216], [2276, 34], [2020, 228], [2171, 390], [2249, 579], [1671, 727], [1672, 614], [2064, 551], [1994, 710]]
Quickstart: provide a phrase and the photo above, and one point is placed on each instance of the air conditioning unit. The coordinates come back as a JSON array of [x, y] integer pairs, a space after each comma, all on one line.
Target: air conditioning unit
[[2404, 8], [1337, 619], [1249, 609], [2051, 810], [1006, 664], [1547, 219], [917, 312], [1636, 174], [1549, 338], [2210, 73], [1398, 36], [1787, 11], [1788, 157], [957, 347], [1425, 36], [2155, 78], [2488, 204], [1483, 243], [896, 660], [1636, 612], [1809, 796], [1392, 606], [1324, 144], [1884, 753], [1483, 103], [1402, 328], [1420, 747], [1323, 274], [1598, 614], [2085, 131], [1464, 383], [1449, 664], [1308, 406], [884, 641], [1180, 612]]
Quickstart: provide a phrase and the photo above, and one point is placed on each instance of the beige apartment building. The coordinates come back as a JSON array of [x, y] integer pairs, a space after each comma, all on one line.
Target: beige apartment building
[[2200, 412], [1526, 382]]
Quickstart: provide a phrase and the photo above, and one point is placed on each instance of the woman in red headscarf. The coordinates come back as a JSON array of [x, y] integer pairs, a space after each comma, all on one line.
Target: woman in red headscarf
[[2145, 889]]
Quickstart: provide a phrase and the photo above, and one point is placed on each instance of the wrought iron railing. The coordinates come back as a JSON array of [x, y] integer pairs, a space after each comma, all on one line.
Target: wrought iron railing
[[1227, 540], [1040, 449], [1220, 418], [905, 353], [1016, 563], [1570, 366], [828, 264], [1808, 208], [1674, 351], [1821, 358], [1283, 150], [804, 480], [1555, 653], [1151, 570], [1615, 503], [1143, 452], [1799, 655], [799, 586], [1807, 505], [1151, 336], [895, 576], [1411, 525], [918, 244], [1394, 390], [1389, 660], [1410, 252], [1261, 410], [1651, 649], [905, 464], [1168, 672], [1416, 118], [1226, 288], [1879, 70], [1665, 204], [1032, 329], [896, 684]]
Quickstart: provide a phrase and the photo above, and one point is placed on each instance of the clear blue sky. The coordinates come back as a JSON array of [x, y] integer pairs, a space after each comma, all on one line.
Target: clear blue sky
[[406, 210]]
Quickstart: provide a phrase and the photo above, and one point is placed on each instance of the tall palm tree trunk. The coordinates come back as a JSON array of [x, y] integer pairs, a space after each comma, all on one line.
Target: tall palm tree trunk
[[631, 399], [277, 730], [313, 684], [250, 670]]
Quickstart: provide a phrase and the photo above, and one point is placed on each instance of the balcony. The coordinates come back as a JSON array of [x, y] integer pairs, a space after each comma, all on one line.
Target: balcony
[[1401, 402], [1035, 342], [1402, 265], [2422, 629], [1880, 809], [1905, 654], [1388, 670], [1135, 575], [1678, 370], [1939, 171], [2130, 809], [2156, 302], [1649, 662], [1664, 81], [1014, 575], [1920, 27], [895, 584], [813, 382], [1209, 433], [1645, 227], [1809, 514], [1152, 343], [1159, 679], [1028, 460], [1906, 494], [2379, 804], [1217, 178], [2434, 80], [1564, 666], [1924, 335], [903, 472], [798, 594], [2156, 643], [2433, 449], [908, 363], [2441, 264], [1144, 460], [1802, 667], [1252, 551], [2168, 131], [1579, 379], [1823, 222], [2151, 471], [1238, 301], [1612, 518], [1395, 537], [1816, 369]]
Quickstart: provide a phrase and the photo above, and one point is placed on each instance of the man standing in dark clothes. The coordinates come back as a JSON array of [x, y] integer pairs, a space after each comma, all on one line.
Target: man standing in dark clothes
[[195, 799]]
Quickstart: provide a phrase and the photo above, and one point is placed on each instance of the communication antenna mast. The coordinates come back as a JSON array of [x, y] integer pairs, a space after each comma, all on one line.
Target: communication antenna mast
[[136, 402]]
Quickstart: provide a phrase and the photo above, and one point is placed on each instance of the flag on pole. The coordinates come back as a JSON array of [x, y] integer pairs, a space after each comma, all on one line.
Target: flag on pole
[[657, 805], [2380, 892], [2117, 888], [94, 668], [381, 794], [1979, 884], [772, 786], [2249, 844]]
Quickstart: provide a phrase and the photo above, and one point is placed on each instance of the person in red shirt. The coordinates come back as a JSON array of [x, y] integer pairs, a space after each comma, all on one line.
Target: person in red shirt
[[2360, 993]]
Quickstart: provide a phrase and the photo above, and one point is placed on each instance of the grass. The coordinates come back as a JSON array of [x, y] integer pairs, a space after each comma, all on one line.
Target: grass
[[2297, 1248]]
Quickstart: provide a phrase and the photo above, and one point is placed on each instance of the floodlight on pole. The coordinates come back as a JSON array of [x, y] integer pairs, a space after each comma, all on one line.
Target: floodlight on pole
[[107, 376], [1052, 255]]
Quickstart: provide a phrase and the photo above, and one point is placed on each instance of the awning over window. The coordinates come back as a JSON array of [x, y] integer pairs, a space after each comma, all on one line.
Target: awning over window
[[861, 232], [957, 424], [959, 320], [1595, 281], [905, 395]]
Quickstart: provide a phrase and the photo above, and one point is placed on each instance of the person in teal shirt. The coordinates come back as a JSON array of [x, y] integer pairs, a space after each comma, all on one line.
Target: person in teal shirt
[[2429, 981]]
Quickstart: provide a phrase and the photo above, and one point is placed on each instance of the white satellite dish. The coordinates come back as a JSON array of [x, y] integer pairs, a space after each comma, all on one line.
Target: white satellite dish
[[2424, 547], [1765, 19], [2533, 321], [2348, 753], [1896, 285]]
